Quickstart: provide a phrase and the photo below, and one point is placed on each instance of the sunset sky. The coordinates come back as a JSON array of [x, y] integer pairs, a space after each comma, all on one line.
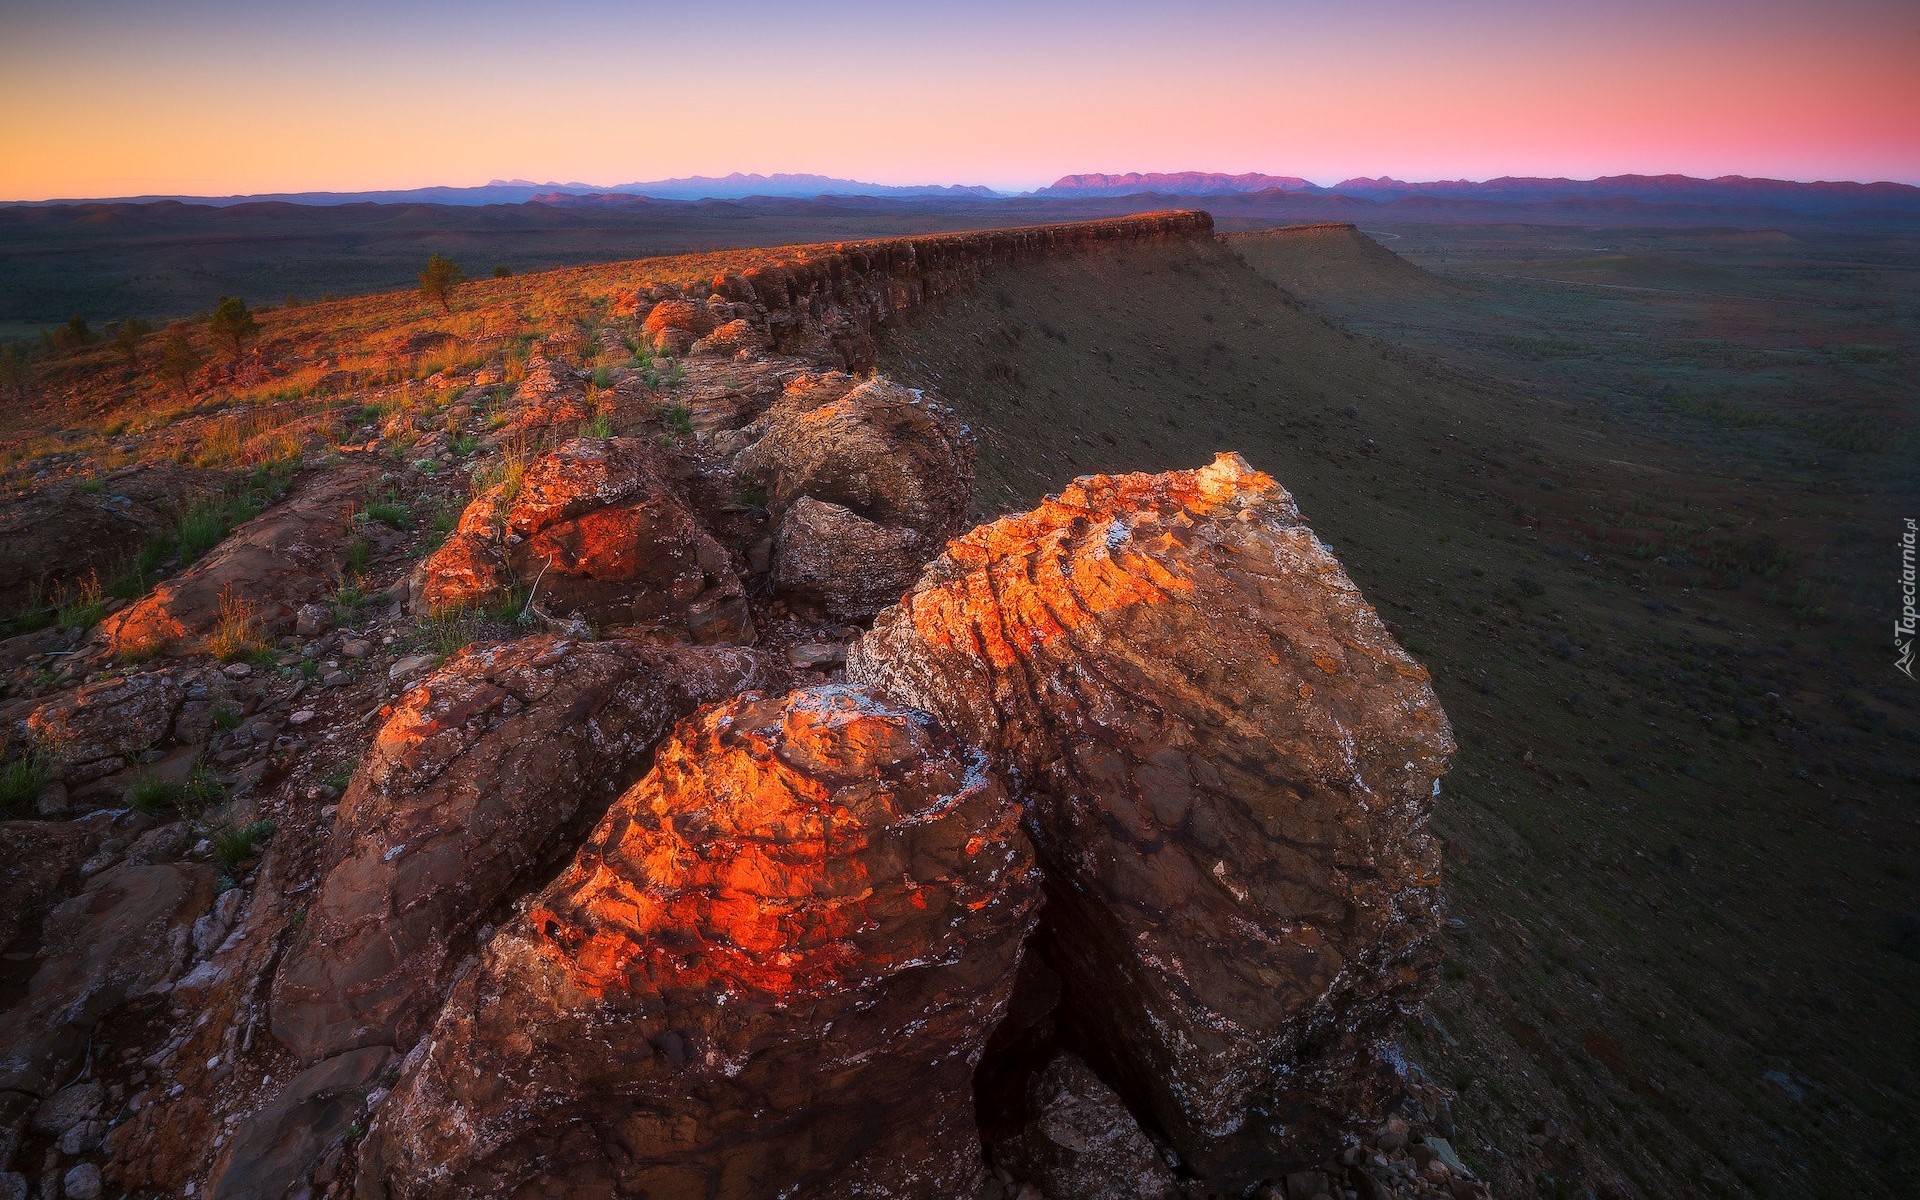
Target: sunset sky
[[107, 98]]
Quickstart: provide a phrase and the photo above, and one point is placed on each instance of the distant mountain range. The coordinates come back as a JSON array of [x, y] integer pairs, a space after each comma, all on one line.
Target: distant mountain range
[[1727, 190], [1175, 183], [1674, 195], [519, 191]]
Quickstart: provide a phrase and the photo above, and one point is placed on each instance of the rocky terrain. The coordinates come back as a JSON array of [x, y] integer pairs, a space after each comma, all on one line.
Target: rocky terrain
[[625, 762]]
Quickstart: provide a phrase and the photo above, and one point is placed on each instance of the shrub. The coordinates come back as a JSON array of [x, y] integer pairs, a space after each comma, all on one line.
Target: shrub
[[127, 336], [179, 358], [502, 271]]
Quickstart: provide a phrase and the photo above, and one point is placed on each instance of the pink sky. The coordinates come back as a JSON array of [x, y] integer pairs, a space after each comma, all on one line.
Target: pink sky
[[106, 97]]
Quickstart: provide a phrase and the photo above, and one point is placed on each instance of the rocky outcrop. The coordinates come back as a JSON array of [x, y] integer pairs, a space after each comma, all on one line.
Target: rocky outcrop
[[866, 485], [674, 325], [828, 301], [277, 1147], [770, 970], [272, 564], [95, 729], [126, 934], [1231, 766], [597, 529], [63, 533], [472, 784]]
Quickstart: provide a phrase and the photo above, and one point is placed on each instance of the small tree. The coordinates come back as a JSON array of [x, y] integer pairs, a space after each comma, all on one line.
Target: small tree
[[439, 279], [232, 328], [502, 271], [73, 335], [126, 338], [179, 358]]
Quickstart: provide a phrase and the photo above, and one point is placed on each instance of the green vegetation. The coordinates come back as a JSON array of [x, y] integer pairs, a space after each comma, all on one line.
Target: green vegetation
[[20, 781], [439, 279], [235, 846], [677, 418], [180, 359], [232, 328]]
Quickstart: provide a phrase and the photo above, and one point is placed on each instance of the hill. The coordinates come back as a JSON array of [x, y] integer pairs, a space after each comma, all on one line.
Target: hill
[[1335, 264]]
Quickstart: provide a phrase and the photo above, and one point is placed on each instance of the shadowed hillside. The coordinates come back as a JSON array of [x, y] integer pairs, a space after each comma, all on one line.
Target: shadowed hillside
[[1677, 833]]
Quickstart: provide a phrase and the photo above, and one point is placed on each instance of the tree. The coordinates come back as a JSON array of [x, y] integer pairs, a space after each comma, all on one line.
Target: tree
[[232, 328], [179, 358], [73, 335], [502, 271], [126, 338], [439, 279]]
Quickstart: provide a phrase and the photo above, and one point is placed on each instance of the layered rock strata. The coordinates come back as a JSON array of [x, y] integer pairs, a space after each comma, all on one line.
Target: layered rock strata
[[472, 784], [768, 972], [1231, 766]]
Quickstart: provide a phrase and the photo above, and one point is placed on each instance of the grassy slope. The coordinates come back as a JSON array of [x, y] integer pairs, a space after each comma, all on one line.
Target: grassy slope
[[1660, 905]]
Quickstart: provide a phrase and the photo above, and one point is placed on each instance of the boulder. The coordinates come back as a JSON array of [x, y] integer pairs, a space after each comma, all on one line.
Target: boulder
[[731, 338], [1231, 766], [126, 934], [93, 730], [891, 461], [881, 449], [471, 788], [674, 325], [768, 972], [596, 529], [60, 535], [1079, 1142], [274, 563], [851, 566]]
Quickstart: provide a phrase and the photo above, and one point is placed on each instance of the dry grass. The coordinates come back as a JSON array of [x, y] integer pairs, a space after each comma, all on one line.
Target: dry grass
[[238, 634]]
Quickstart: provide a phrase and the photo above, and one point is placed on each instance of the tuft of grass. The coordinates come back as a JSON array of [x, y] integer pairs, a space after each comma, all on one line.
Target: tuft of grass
[[678, 420], [506, 471], [389, 513], [237, 634], [359, 552], [207, 522], [154, 795], [463, 444], [448, 631], [225, 716], [600, 427], [751, 494], [602, 377], [84, 607], [234, 845], [21, 780]]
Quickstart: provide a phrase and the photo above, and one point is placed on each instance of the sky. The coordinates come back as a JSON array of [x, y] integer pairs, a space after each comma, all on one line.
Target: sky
[[110, 98]]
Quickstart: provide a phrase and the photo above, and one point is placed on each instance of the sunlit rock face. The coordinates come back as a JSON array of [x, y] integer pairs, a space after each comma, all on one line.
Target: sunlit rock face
[[1230, 766], [770, 971], [597, 529], [471, 791]]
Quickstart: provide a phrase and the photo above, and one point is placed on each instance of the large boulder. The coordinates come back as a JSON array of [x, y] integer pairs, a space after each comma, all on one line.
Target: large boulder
[[881, 453], [126, 934], [1231, 766], [471, 786], [597, 529], [273, 564], [675, 325], [769, 972], [97, 728]]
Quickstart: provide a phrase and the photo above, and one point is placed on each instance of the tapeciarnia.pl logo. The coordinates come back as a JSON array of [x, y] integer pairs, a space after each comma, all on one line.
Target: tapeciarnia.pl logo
[[1903, 625]]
